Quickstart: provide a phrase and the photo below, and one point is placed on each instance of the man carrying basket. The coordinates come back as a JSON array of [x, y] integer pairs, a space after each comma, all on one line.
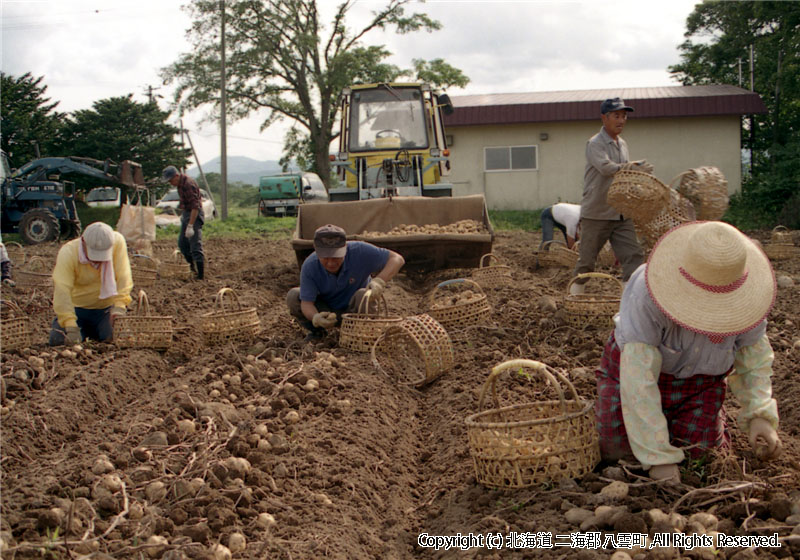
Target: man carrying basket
[[692, 322], [607, 153], [334, 278]]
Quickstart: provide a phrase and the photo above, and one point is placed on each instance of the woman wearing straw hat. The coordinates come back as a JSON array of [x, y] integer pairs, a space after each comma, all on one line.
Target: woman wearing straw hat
[[692, 322]]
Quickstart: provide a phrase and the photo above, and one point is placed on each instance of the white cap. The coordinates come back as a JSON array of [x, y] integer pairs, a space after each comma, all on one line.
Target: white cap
[[99, 238]]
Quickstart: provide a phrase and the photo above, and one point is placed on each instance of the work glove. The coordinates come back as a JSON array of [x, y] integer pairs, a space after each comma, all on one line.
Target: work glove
[[73, 335], [324, 320], [668, 473], [189, 232], [376, 286], [9, 282], [764, 439], [642, 165], [116, 312]]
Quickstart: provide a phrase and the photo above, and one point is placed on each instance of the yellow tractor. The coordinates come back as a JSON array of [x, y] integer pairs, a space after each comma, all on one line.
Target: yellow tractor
[[392, 191]]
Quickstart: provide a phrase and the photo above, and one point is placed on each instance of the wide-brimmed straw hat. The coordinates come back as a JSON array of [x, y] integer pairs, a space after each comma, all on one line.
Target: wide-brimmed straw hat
[[711, 279]]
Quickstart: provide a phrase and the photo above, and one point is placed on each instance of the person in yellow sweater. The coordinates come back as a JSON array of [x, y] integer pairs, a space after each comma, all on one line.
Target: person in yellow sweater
[[92, 286]]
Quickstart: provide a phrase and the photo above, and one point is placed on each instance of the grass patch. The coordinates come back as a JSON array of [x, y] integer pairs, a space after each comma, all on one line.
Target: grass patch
[[525, 220]]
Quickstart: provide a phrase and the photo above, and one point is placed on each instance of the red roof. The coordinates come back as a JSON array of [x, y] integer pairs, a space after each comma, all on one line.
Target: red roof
[[548, 106]]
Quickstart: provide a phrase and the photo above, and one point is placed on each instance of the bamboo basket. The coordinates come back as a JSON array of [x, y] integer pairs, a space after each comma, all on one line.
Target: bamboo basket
[[179, 268], [556, 253], [597, 309], [780, 234], [637, 195], [229, 322], [677, 212], [360, 330], [32, 276], [144, 271], [781, 251], [16, 253], [707, 189], [489, 275], [15, 327], [415, 351], [459, 313], [141, 329], [526, 444], [605, 257]]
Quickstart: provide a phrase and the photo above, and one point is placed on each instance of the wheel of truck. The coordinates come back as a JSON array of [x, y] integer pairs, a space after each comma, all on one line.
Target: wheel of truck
[[70, 229], [38, 226]]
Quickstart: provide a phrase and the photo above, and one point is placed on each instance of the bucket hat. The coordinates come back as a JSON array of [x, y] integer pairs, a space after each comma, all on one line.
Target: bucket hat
[[710, 278]]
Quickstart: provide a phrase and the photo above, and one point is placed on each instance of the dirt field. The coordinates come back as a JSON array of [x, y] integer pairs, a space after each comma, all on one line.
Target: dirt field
[[133, 453]]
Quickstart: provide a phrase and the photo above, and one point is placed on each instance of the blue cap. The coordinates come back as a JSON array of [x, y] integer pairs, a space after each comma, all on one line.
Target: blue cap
[[615, 104]]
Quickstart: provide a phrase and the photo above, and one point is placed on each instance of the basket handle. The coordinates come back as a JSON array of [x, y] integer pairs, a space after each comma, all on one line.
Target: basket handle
[[176, 256], [364, 304], [557, 243], [219, 300], [19, 248], [780, 229], [452, 282], [35, 264], [141, 256], [598, 275], [538, 367], [679, 177], [491, 256], [143, 303], [15, 310]]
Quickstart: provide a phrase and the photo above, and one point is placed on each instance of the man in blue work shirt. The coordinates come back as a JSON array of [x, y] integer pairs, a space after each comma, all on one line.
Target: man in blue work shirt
[[335, 277]]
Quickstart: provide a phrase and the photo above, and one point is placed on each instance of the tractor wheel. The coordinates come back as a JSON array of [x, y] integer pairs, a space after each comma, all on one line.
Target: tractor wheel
[[70, 230], [38, 226]]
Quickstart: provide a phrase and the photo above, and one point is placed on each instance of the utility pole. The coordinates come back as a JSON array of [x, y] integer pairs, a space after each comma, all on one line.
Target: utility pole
[[151, 96], [223, 135]]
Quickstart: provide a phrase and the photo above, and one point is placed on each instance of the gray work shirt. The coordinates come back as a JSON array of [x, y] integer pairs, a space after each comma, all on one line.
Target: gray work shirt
[[684, 353], [604, 157]]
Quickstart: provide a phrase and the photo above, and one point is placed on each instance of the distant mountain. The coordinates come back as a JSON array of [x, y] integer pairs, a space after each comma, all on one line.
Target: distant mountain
[[240, 168]]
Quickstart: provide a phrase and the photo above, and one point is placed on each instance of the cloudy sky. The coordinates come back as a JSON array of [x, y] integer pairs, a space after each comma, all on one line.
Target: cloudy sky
[[91, 50]]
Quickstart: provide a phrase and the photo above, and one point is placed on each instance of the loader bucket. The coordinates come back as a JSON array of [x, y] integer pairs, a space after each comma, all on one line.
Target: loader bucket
[[130, 173], [422, 252]]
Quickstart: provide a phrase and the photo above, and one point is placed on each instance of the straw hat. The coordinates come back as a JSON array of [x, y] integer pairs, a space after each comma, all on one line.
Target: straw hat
[[710, 278]]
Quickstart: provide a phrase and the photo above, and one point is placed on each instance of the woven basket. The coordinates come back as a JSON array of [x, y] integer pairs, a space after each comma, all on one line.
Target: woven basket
[[179, 268], [781, 234], [707, 189], [415, 351], [556, 253], [637, 195], [32, 276], [527, 444], [229, 322], [141, 329], [489, 275], [462, 313], [16, 253], [360, 330], [15, 327], [597, 309], [144, 271], [677, 212], [781, 251]]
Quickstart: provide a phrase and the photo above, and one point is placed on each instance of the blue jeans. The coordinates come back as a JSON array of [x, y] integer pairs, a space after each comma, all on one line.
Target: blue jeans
[[548, 222], [93, 323], [192, 249]]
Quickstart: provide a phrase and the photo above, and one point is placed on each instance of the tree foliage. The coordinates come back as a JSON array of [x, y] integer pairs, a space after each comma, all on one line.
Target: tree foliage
[[28, 118], [719, 37], [283, 60], [119, 128]]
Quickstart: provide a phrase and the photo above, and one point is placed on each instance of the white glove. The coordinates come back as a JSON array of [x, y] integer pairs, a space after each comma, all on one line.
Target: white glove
[[376, 285], [324, 320], [189, 232], [643, 165], [116, 312], [667, 473], [73, 335], [9, 282], [764, 439]]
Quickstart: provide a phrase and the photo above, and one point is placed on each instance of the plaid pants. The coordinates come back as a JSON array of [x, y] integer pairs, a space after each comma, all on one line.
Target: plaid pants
[[693, 408]]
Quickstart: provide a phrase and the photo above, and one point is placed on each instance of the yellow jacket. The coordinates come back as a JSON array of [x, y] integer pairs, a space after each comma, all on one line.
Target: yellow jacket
[[78, 285]]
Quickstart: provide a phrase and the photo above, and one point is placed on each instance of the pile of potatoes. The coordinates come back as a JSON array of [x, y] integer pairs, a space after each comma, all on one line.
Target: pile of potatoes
[[449, 300], [461, 226]]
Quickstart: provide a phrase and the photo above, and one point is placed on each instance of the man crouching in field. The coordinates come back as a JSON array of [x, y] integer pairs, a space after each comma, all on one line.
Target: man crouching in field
[[335, 277]]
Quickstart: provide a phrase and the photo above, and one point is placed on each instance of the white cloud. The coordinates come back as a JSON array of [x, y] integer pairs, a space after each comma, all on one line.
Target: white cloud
[[91, 50]]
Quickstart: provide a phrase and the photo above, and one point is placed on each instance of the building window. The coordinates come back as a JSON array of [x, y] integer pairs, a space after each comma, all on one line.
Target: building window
[[510, 158]]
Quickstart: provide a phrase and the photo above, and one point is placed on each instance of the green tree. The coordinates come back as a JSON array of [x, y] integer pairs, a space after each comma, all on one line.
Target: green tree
[[278, 59], [28, 118], [719, 37], [119, 128]]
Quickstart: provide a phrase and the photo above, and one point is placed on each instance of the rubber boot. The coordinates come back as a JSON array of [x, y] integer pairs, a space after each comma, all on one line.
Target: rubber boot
[[201, 268], [193, 267]]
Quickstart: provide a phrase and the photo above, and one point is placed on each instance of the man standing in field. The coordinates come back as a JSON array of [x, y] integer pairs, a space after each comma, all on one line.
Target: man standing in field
[[336, 276], [607, 153], [190, 238]]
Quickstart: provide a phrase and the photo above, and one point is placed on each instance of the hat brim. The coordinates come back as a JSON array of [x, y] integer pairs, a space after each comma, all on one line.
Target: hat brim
[[696, 308], [100, 255], [331, 252]]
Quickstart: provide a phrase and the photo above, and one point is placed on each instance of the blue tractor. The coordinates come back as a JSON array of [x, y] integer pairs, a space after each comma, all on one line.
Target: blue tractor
[[35, 201]]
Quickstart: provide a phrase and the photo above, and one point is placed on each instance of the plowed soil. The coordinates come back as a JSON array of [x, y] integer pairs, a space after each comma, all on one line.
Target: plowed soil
[[127, 453]]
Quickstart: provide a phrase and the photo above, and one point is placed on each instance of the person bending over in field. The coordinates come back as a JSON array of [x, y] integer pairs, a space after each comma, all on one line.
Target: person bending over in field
[[92, 286], [334, 278], [692, 322]]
